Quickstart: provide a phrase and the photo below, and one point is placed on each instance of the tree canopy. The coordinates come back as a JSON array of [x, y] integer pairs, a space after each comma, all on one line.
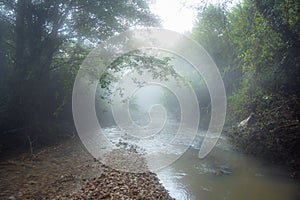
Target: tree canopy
[[256, 46], [43, 43]]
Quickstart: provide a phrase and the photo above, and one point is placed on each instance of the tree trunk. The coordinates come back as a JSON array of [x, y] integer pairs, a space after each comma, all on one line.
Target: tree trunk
[[31, 102]]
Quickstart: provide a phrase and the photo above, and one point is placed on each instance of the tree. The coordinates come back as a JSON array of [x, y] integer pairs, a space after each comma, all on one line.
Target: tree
[[6, 61], [261, 45], [212, 31], [42, 29], [283, 18]]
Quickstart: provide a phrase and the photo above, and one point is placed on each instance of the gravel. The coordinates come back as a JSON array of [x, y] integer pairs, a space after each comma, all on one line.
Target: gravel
[[114, 184]]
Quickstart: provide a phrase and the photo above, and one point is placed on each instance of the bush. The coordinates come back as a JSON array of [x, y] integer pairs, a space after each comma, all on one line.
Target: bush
[[274, 131]]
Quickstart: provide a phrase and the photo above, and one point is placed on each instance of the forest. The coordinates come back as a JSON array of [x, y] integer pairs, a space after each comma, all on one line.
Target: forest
[[255, 45]]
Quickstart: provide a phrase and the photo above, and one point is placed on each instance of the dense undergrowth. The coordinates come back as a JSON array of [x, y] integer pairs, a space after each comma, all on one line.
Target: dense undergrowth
[[273, 131]]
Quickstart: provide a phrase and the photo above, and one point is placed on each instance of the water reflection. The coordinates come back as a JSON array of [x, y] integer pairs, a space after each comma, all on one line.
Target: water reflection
[[247, 178], [170, 179]]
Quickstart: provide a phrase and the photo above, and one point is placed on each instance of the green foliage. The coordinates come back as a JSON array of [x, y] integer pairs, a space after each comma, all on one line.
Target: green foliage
[[139, 61], [64, 68], [257, 44], [213, 32], [259, 48], [45, 43], [283, 18], [273, 133]]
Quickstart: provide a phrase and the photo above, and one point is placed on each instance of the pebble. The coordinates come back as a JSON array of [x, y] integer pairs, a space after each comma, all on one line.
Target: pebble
[[114, 184]]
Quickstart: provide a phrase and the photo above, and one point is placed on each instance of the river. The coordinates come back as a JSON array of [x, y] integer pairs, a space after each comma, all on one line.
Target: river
[[223, 175], [227, 175]]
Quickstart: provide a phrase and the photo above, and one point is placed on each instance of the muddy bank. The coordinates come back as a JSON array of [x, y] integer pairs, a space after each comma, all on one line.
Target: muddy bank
[[67, 171]]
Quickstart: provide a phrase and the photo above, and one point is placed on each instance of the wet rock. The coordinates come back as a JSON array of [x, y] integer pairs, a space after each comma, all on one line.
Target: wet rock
[[224, 170], [212, 165]]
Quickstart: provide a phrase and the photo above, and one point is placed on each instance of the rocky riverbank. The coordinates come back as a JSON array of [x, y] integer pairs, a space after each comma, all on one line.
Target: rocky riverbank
[[113, 184], [67, 171]]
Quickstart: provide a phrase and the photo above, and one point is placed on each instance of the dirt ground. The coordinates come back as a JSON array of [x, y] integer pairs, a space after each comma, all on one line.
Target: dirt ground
[[68, 171]]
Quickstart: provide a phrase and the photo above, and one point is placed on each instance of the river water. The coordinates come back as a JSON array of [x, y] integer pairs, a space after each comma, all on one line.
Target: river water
[[223, 175], [228, 175]]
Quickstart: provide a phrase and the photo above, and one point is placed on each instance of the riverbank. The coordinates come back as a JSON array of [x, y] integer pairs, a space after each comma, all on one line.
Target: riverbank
[[68, 171], [272, 132]]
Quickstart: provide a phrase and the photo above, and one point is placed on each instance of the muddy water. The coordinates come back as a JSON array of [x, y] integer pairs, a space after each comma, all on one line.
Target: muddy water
[[223, 175], [227, 175]]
